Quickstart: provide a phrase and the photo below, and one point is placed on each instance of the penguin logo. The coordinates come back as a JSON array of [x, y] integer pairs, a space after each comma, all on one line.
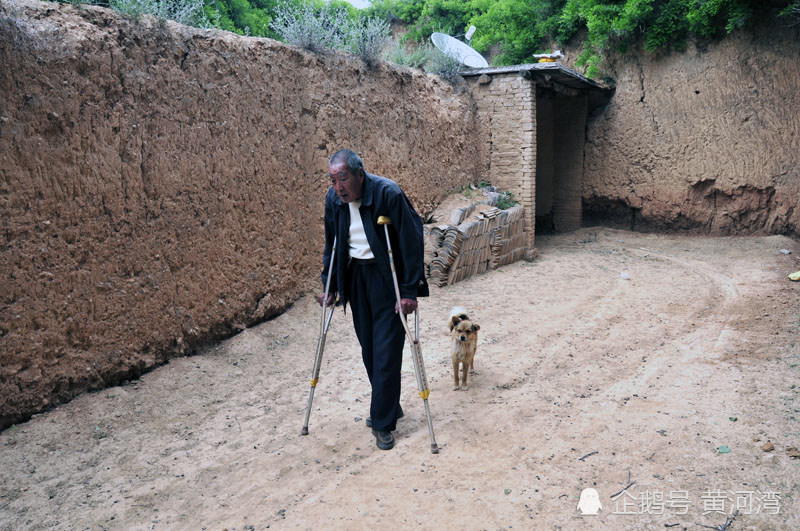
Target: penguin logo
[[589, 502]]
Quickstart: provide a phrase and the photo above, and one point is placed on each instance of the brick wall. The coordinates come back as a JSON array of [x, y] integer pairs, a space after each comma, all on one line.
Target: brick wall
[[569, 126], [507, 108], [535, 129]]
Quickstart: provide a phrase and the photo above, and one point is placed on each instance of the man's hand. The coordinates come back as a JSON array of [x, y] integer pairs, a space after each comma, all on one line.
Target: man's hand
[[329, 302], [409, 305]]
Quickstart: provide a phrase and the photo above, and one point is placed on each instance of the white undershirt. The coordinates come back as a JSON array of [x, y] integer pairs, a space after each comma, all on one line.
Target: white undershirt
[[359, 246]]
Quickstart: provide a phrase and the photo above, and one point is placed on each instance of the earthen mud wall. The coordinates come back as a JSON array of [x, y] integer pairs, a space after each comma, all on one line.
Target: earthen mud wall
[[162, 186], [707, 140]]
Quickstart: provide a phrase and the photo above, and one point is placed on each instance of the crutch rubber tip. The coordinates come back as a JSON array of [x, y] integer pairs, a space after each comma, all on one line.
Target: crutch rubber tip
[[304, 431], [434, 449]]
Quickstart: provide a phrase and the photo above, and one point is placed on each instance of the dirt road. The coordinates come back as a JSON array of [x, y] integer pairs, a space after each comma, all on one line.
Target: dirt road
[[584, 379]]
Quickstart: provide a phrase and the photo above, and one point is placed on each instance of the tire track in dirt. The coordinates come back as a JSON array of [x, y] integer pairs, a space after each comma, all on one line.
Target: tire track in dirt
[[572, 359]]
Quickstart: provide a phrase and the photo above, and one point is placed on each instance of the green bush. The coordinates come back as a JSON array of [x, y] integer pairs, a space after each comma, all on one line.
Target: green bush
[[188, 12], [443, 65], [369, 39], [515, 29], [416, 57], [518, 29], [310, 27], [408, 11], [662, 24], [490, 195], [244, 17], [505, 201], [792, 11]]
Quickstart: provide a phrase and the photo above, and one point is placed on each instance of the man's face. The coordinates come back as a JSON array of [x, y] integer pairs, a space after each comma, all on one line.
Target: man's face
[[347, 186]]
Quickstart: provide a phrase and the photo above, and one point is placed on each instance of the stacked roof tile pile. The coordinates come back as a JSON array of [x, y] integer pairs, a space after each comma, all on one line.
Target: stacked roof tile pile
[[492, 239], [457, 215], [445, 242], [509, 242]]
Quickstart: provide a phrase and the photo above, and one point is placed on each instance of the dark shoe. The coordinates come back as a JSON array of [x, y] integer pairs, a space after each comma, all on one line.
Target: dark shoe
[[400, 415], [384, 439]]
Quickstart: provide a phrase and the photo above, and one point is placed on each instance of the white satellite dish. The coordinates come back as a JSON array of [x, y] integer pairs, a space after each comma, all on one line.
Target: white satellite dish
[[461, 52]]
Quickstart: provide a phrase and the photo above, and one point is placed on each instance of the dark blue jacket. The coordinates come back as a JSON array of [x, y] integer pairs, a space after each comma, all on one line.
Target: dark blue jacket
[[381, 197]]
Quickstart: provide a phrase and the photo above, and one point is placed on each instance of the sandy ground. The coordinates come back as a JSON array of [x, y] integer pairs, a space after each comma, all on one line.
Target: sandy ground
[[650, 376]]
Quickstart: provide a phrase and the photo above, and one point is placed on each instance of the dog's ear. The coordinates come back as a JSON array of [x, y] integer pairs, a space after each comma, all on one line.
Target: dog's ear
[[454, 321], [476, 327]]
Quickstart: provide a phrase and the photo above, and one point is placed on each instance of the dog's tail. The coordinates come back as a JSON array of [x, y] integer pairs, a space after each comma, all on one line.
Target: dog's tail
[[457, 315]]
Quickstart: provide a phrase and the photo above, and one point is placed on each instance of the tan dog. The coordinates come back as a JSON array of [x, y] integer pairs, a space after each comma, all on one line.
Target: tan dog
[[465, 341]]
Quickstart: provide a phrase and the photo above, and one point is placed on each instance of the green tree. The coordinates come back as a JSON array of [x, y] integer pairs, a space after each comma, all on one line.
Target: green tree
[[661, 23], [519, 27], [245, 17], [445, 16], [254, 17], [408, 11], [516, 28]]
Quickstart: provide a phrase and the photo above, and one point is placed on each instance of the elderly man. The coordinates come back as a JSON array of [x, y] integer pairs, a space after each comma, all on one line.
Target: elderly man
[[362, 276]]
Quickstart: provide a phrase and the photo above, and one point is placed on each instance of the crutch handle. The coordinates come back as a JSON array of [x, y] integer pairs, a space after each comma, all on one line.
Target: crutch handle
[[384, 220]]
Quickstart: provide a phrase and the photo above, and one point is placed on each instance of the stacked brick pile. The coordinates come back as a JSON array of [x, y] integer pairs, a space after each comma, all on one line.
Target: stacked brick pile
[[494, 238]]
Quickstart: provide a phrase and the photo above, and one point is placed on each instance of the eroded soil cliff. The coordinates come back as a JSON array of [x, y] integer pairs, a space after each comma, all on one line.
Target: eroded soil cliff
[[707, 140]]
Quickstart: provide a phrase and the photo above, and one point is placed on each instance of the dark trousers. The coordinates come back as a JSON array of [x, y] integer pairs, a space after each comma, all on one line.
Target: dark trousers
[[381, 335]]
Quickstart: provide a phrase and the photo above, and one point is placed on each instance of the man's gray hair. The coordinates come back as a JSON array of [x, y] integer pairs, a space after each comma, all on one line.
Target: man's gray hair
[[350, 158]]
